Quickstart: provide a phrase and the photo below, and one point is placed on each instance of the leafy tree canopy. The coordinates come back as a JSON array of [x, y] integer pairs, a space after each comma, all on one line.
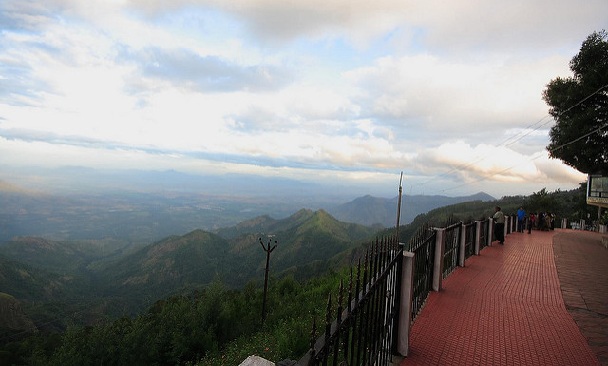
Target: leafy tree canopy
[[579, 105]]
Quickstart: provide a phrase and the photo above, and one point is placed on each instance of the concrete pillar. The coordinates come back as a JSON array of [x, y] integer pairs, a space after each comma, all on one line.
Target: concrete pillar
[[564, 223], [477, 236], [490, 231], [438, 264], [462, 246], [256, 361], [405, 311]]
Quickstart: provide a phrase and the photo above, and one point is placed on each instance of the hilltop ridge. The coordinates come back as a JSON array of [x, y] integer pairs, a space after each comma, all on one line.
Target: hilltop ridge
[[369, 210]]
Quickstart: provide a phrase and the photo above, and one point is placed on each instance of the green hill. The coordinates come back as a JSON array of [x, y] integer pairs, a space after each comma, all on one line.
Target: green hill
[[170, 264], [307, 243], [12, 317]]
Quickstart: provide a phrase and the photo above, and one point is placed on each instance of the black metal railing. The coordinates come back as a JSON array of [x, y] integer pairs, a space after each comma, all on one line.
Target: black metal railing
[[470, 230], [483, 233], [422, 245], [360, 328], [362, 332], [452, 244], [485, 227]]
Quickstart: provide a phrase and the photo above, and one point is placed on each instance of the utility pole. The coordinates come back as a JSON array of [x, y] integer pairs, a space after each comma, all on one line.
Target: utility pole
[[399, 206], [268, 250]]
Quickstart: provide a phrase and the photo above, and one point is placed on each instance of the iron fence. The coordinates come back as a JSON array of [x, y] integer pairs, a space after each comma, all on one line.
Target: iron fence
[[483, 233], [452, 244], [470, 231], [363, 331], [422, 244], [360, 327]]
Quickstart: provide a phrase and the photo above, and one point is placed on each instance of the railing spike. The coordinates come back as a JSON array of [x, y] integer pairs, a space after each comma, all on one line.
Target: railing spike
[[313, 336], [350, 290]]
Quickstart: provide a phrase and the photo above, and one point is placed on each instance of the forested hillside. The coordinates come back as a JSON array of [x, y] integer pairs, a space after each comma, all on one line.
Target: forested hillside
[[103, 279], [197, 297]]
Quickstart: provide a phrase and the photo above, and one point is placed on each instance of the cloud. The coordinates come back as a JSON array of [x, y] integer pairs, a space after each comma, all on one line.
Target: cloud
[[459, 161], [467, 24], [454, 95], [310, 89], [206, 73]]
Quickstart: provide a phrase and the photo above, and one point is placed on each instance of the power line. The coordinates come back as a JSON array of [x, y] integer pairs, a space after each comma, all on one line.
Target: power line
[[580, 138], [507, 142]]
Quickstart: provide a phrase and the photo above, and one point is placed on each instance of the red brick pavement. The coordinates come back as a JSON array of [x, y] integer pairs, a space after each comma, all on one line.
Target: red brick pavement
[[582, 267], [504, 307]]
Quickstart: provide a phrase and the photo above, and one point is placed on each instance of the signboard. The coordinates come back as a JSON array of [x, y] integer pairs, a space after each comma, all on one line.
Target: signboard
[[597, 190]]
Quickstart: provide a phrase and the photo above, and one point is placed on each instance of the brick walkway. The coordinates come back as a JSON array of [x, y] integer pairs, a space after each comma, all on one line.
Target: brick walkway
[[505, 307], [582, 267]]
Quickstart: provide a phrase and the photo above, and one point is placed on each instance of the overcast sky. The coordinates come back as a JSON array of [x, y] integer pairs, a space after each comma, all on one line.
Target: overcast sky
[[449, 92]]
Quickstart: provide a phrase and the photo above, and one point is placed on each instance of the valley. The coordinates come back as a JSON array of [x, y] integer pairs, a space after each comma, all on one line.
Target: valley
[[84, 258]]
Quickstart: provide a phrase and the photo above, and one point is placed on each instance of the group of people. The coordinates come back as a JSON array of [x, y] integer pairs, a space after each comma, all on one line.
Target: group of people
[[538, 221]]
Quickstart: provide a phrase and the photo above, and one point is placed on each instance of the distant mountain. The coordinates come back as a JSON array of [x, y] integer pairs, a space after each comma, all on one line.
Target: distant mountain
[[169, 265], [25, 282], [46, 254], [370, 210], [303, 238], [120, 279], [12, 317]]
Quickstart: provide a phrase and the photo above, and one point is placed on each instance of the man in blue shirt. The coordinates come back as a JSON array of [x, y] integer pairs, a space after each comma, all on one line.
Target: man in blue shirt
[[521, 215]]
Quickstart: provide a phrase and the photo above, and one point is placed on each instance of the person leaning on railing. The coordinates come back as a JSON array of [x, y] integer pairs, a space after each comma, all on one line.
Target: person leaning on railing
[[499, 225]]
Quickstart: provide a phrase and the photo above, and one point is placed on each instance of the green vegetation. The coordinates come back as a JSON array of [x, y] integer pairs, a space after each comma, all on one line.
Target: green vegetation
[[216, 326], [579, 105], [197, 298]]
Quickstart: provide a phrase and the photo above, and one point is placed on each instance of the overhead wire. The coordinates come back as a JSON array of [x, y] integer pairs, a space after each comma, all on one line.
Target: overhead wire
[[513, 139]]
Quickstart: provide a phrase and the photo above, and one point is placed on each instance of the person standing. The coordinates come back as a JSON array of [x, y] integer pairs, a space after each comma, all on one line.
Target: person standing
[[531, 222], [499, 225], [521, 216]]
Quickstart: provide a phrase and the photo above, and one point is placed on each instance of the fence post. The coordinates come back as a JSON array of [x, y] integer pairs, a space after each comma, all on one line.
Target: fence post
[[462, 246], [438, 263], [477, 236], [405, 310], [564, 223]]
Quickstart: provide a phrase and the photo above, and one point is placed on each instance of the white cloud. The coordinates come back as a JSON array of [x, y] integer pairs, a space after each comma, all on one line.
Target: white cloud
[[338, 88]]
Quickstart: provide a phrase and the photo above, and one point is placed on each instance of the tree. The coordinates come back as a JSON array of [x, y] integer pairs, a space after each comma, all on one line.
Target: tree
[[579, 105]]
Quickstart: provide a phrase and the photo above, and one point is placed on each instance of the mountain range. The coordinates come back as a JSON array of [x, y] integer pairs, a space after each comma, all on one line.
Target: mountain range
[[144, 217], [122, 281], [78, 258], [370, 210]]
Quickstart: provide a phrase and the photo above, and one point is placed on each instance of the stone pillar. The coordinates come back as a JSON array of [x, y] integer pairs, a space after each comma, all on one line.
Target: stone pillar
[[477, 236], [405, 310], [438, 263], [462, 246], [490, 231], [564, 223]]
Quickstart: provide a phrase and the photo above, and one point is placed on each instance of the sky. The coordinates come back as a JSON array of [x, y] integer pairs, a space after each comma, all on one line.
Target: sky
[[327, 91]]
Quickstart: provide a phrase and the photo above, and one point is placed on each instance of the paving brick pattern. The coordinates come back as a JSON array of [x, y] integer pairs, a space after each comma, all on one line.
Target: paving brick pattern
[[505, 307], [582, 267]]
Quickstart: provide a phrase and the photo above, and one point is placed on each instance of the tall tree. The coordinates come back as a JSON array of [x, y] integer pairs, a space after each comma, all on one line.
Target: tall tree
[[579, 105]]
